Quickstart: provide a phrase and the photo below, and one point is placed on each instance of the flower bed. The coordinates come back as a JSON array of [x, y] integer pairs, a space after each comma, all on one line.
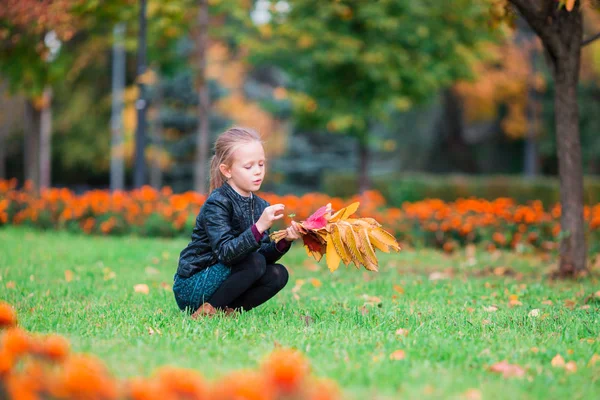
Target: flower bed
[[35, 366], [499, 223]]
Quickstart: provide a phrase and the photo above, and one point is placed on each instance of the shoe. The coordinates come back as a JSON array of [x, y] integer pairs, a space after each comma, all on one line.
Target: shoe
[[205, 310], [230, 312]]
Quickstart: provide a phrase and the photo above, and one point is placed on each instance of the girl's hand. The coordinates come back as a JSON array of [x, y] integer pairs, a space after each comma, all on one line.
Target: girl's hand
[[269, 216], [292, 232]]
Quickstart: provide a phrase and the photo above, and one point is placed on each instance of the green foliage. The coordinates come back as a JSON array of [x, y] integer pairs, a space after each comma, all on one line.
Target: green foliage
[[351, 63], [346, 326], [398, 188]]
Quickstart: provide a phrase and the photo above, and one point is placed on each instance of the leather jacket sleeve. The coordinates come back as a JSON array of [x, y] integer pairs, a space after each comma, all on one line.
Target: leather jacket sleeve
[[228, 248], [269, 250]]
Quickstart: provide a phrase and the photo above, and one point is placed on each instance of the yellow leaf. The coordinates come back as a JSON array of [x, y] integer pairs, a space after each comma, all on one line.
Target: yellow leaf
[[569, 4], [351, 209], [333, 258], [141, 288], [68, 275], [398, 355], [367, 250], [385, 237], [340, 247], [316, 283]]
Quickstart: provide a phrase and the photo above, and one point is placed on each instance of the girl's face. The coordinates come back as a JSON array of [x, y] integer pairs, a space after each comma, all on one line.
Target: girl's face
[[247, 171]]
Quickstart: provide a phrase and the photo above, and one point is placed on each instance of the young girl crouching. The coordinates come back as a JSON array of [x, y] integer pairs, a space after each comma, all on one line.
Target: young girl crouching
[[230, 263]]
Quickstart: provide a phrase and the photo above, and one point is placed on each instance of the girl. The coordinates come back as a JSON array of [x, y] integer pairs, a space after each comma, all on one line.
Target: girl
[[230, 263]]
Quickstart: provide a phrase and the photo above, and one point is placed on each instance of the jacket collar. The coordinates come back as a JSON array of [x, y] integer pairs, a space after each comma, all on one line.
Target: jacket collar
[[235, 195]]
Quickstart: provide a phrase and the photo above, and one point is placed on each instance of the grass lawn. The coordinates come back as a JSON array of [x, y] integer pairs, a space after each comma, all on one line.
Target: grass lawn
[[457, 311]]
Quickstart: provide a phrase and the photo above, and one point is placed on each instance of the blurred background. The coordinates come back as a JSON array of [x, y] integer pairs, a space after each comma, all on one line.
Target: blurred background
[[409, 98]]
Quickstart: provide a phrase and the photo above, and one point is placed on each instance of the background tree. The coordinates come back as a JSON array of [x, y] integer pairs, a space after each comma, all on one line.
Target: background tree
[[559, 25], [350, 63]]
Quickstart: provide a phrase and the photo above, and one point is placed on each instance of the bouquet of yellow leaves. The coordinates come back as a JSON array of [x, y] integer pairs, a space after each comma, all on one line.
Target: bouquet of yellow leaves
[[343, 239]]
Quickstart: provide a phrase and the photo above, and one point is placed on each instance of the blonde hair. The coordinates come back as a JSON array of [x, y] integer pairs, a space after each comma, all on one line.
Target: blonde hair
[[225, 145]]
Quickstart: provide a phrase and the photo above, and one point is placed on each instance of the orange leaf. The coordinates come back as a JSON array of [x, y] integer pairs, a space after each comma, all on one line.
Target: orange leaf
[[398, 355], [316, 283], [399, 289], [569, 4], [402, 332], [68, 275], [141, 288], [558, 361], [507, 370]]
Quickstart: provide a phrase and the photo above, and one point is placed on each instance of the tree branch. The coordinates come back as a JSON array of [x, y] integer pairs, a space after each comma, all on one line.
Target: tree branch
[[537, 16], [590, 39]]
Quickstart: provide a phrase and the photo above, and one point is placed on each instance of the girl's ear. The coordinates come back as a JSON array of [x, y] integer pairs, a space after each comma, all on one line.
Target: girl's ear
[[225, 170]]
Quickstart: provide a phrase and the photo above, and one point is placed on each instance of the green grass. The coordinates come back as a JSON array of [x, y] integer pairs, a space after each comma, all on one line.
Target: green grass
[[448, 349]]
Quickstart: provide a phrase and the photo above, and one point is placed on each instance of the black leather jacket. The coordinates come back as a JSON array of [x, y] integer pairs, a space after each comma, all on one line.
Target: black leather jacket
[[223, 232]]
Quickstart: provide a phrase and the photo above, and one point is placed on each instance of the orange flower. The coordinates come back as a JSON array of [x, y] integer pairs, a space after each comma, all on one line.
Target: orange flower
[[8, 317], [84, 377], [286, 369], [323, 389], [243, 385], [182, 383], [54, 347], [16, 341]]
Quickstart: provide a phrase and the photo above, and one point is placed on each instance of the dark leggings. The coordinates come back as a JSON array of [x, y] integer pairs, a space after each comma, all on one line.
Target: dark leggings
[[251, 283]]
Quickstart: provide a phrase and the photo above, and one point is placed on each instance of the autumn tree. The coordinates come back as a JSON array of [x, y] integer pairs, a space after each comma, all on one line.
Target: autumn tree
[[349, 63], [559, 25]]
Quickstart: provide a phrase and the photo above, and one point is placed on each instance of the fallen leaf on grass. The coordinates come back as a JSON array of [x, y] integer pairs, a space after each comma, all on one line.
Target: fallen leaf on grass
[[151, 270], [470, 310], [402, 332], [68, 275], [109, 274], [558, 361], [364, 310], [398, 355], [490, 309], [307, 320], [11, 285], [570, 303], [514, 303], [436, 276], [571, 367], [166, 286], [597, 294], [507, 370], [472, 394], [594, 360], [141, 288], [535, 312], [153, 331], [316, 283], [486, 322], [399, 289], [547, 302]]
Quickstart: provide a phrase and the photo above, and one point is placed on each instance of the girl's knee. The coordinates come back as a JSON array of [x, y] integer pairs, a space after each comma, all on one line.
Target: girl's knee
[[256, 263], [281, 275]]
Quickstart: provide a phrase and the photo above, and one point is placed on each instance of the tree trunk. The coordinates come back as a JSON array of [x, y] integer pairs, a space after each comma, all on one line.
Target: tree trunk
[[201, 167], [364, 182], [156, 175], [46, 140], [117, 163], [531, 159], [570, 169], [31, 144], [3, 135], [139, 175]]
